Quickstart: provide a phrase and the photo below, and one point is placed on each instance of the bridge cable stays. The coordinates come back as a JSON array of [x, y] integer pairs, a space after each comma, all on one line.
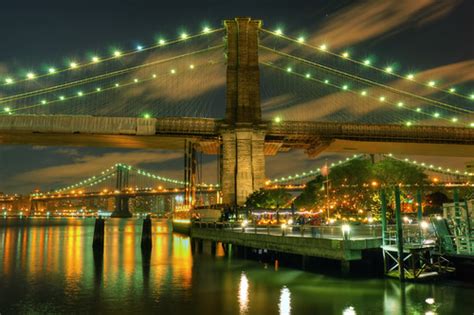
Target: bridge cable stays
[[367, 81], [363, 93], [98, 90], [367, 63], [10, 80], [102, 76]]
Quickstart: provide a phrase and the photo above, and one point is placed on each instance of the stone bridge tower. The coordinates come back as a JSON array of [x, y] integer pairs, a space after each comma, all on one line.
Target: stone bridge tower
[[243, 134]]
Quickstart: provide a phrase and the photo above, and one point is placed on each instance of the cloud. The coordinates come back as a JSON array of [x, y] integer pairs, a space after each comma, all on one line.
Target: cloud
[[368, 19]]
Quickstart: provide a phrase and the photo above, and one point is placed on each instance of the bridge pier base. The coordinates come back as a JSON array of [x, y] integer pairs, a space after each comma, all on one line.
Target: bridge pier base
[[121, 208]]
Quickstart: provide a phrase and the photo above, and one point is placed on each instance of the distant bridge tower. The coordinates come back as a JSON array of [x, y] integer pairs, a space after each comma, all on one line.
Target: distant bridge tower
[[243, 135], [121, 202]]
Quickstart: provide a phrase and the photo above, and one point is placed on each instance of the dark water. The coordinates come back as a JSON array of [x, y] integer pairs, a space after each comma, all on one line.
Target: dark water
[[47, 266]]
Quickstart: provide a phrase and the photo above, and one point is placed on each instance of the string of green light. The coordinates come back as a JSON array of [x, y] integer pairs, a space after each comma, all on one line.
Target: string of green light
[[367, 81], [102, 76], [80, 94], [117, 54], [362, 93], [366, 63]]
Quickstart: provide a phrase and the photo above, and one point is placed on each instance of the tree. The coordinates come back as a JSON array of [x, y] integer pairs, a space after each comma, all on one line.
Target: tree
[[268, 199], [354, 186]]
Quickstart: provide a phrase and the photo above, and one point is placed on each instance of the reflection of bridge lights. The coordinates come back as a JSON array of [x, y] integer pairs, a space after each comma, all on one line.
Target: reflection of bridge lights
[[243, 293], [285, 301], [349, 311]]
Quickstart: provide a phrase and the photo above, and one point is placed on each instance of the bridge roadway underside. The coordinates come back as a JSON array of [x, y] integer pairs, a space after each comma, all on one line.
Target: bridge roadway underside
[[337, 249], [170, 133]]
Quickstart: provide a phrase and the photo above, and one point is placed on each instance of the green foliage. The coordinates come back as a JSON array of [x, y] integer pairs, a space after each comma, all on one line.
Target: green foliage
[[354, 186], [268, 199]]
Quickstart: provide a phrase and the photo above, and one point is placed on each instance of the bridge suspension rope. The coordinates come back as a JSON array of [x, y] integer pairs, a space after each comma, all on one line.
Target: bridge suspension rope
[[362, 93], [367, 81], [9, 80], [103, 76], [366, 63]]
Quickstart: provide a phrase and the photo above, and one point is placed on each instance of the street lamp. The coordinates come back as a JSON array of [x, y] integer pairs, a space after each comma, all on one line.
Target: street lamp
[[346, 229]]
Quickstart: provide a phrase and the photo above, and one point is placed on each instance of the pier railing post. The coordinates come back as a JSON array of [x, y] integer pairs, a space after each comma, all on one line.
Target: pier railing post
[[398, 216]]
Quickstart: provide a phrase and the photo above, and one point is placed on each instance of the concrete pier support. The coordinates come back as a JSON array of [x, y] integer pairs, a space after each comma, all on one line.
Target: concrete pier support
[[243, 164], [122, 209]]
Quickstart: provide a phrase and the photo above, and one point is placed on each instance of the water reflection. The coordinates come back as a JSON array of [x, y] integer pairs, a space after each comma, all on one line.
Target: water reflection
[[243, 293], [50, 267], [285, 301]]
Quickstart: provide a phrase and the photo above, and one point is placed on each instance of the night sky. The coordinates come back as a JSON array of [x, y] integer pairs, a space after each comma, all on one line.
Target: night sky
[[421, 34]]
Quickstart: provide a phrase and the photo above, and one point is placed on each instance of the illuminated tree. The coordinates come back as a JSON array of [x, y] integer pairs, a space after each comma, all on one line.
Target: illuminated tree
[[269, 199]]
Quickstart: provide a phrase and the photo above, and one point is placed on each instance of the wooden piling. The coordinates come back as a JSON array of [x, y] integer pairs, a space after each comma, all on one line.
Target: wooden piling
[[99, 229], [146, 242]]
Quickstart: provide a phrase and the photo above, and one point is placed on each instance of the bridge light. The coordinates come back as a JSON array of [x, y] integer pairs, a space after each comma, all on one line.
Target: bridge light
[[471, 96], [289, 69], [410, 76], [277, 119], [161, 41], [52, 70], [8, 80], [400, 104], [7, 109], [367, 62], [62, 98], [279, 32], [191, 66], [326, 81], [363, 93], [452, 90], [345, 54], [301, 39], [323, 47], [73, 65], [454, 119], [117, 85], [472, 124], [30, 75], [436, 115], [382, 98], [117, 53], [206, 30], [95, 59], [98, 89], [153, 76], [389, 69], [135, 80], [43, 102], [432, 83], [146, 116], [345, 87], [80, 93], [173, 71], [184, 35], [409, 123], [139, 48], [418, 109]]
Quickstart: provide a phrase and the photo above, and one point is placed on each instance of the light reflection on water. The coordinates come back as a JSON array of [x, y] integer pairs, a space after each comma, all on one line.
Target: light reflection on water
[[48, 266]]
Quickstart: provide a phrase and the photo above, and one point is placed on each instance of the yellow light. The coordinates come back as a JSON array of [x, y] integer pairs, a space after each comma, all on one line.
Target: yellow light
[[367, 62], [184, 35], [117, 85], [345, 55], [323, 47], [400, 104], [301, 39], [117, 53], [289, 69], [432, 83], [73, 65], [409, 123], [389, 69], [410, 76], [80, 93], [8, 80], [62, 98], [382, 98], [95, 59], [43, 102], [135, 80], [51, 70], [7, 109], [345, 87], [363, 93], [191, 66], [452, 90], [173, 71], [30, 75], [98, 89], [454, 119], [206, 30], [308, 75], [278, 31], [277, 119], [161, 41]]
